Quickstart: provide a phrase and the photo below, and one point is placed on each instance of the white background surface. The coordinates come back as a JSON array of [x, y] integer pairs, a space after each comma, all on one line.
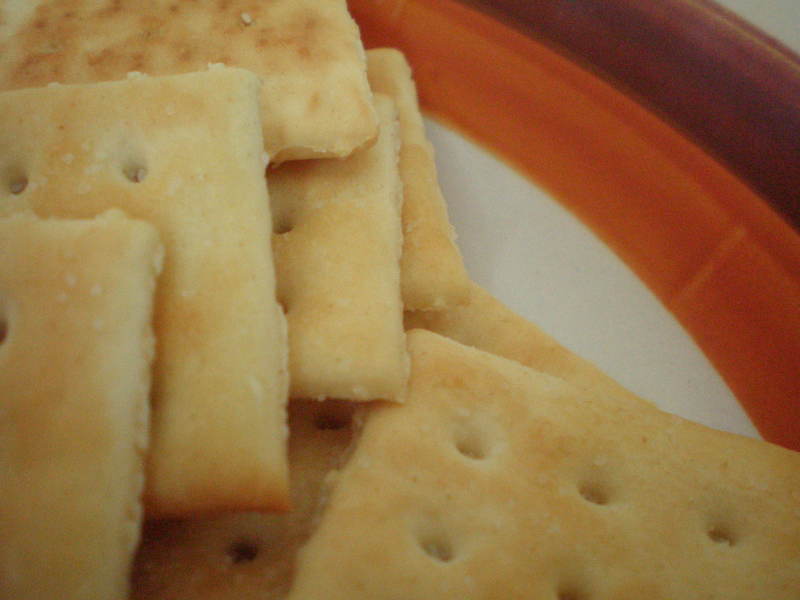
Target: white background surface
[[538, 259], [779, 18]]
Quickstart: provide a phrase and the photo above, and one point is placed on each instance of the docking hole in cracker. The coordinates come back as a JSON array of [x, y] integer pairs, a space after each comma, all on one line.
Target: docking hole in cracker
[[435, 543], [18, 185], [13, 178]]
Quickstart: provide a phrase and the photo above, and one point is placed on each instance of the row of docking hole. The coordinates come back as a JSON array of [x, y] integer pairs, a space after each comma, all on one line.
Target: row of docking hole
[[473, 447], [135, 173]]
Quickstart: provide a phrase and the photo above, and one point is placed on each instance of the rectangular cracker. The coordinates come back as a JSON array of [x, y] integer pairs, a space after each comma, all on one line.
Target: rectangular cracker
[[184, 153], [76, 343], [487, 324], [248, 555], [496, 481], [432, 270], [315, 96], [337, 260]]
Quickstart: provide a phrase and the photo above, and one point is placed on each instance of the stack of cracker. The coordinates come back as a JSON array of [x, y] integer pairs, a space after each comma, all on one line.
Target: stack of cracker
[[240, 355]]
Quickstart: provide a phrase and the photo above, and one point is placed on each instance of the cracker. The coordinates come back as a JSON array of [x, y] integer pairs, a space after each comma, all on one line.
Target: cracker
[[315, 98], [76, 301], [337, 261], [432, 270], [183, 152], [248, 555], [495, 481], [486, 323]]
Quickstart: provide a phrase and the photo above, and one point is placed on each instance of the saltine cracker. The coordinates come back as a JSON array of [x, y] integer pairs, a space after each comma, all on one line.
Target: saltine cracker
[[433, 276], [337, 257], [185, 153], [76, 343]]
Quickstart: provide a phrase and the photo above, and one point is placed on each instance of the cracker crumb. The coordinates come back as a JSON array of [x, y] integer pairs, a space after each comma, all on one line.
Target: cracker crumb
[[96, 290], [53, 84], [170, 109], [84, 188], [92, 169], [62, 297], [68, 158], [246, 18], [71, 279], [265, 159], [97, 324]]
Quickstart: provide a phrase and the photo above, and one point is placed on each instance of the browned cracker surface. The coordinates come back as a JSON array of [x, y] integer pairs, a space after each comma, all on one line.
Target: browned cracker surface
[[76, 343], [315, 99], [496, 481]]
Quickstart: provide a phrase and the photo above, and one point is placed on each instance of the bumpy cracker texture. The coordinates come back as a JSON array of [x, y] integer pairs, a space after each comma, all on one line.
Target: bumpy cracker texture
[[315, 99], [76, 301], [432, 270], [495, 481], [248, 556], [337, 259], [486, 323], [184, 153]]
